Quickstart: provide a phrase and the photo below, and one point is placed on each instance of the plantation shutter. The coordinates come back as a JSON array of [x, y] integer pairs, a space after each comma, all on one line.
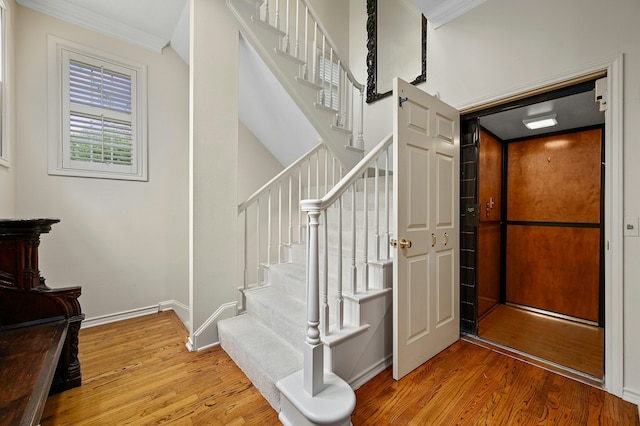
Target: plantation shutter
[[330, 78], [100, 121]]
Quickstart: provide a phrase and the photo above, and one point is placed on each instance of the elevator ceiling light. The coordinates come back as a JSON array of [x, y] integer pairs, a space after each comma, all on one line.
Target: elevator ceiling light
[[540, 121]]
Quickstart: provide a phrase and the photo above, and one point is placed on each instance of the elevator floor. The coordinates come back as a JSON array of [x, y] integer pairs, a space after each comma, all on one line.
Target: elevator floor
[[577, 346]]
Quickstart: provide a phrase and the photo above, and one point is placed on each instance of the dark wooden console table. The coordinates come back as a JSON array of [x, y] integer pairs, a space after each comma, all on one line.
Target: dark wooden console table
[[26, 304]]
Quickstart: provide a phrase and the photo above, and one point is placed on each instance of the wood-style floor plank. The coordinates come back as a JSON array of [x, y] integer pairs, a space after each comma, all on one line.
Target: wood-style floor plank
[[567, 343], [139, 372], [470, 385]]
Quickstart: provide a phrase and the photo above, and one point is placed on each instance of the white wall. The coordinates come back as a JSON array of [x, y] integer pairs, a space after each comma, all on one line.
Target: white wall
[[501, 46], [214, 158], [124, 242], [256, 165], [8, 169]]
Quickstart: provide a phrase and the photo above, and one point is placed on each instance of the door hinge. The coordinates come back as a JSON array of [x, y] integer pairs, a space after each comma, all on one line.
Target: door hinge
[[401, 100], [602, 94]]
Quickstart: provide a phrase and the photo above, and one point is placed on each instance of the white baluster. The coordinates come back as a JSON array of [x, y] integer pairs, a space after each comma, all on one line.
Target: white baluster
[[245, 273], [354, 270], [277, 21], [340, 307], [318, 176], [339, 95], [360, 141], [315, 60], [269, 243], [387, 211], [330, 81], [258, 241], [300, 196], [297, 28], [266, 11], [306, 44], [290, 239], [376, 201], [325, 279], [287, 36], [280, 222], [365, 261]]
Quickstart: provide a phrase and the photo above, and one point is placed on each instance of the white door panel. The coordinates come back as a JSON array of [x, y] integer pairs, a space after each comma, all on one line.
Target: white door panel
[[426, 294]]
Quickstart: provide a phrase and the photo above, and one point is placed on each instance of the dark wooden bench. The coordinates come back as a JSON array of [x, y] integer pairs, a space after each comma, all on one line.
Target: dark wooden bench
[[29, 355], [38, 327]]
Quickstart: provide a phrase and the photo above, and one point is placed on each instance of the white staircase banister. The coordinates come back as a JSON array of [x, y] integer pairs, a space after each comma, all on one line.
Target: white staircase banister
[[332, 45], [243, 206], [348, 180]]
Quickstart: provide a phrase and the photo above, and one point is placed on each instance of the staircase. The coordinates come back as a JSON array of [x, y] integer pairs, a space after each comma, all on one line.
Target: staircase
[[315, 303], [292, 42], [266, 340]]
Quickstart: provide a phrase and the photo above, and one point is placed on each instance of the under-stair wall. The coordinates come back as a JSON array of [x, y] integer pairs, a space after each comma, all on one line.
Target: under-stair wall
[[296, 47]]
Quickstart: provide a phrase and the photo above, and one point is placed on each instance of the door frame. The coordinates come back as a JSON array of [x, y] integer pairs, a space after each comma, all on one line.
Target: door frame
[[613, 199]]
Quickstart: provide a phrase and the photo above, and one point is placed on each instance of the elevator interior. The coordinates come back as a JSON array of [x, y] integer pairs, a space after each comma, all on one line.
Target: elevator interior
[[536, 198]]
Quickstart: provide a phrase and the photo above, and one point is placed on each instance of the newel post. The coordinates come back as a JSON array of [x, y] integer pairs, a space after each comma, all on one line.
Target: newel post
[[313, 381]]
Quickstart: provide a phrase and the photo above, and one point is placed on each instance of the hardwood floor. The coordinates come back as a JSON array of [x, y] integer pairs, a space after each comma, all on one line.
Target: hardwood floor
[[567, 343], [138, 372]]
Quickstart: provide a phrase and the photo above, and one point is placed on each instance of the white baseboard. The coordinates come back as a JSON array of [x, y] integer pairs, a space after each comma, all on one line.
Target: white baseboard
[[370, 373], [181, 310], [206, 335], [631, 396]]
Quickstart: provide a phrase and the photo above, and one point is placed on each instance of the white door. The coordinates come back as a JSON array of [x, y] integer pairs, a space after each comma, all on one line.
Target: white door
[[425, 273]]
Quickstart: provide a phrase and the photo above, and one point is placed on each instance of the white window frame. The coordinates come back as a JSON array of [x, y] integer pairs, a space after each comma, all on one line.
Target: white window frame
[[4, 138], [60, 161], [329, 77]]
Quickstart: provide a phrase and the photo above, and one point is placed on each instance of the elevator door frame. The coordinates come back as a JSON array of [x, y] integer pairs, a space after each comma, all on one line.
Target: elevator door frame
[[614, 243]]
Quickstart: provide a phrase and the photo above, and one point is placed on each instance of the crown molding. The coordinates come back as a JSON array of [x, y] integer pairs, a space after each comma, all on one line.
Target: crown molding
[[78, 15], [449, 10]]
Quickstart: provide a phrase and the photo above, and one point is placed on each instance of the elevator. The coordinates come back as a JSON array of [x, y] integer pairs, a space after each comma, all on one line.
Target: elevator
[[532, 270]]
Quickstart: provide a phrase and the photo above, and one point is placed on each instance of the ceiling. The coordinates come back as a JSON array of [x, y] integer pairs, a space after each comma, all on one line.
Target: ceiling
[[572, 112], [154, 24], [151, 24]]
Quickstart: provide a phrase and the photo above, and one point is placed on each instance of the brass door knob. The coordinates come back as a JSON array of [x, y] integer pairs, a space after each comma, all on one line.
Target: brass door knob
[[405, 244]]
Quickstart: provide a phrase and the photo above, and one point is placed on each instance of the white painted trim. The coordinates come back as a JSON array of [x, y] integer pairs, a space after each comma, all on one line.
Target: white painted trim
[[614, 197], [198, 340], [180, 309], [119, 316], [57, 163], [449, 10], [372, 372], [76, 14], [632, 396]]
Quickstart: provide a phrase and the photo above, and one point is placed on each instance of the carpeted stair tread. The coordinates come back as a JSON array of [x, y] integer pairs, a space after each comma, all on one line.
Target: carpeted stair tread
[[262, 355], [281, 312]]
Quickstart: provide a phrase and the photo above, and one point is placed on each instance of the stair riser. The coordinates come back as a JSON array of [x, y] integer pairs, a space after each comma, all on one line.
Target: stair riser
[[288, 322]]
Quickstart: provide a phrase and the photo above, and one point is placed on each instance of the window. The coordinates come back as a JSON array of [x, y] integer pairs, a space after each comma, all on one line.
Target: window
[[100, 113], [329, 80], [4, 145]]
